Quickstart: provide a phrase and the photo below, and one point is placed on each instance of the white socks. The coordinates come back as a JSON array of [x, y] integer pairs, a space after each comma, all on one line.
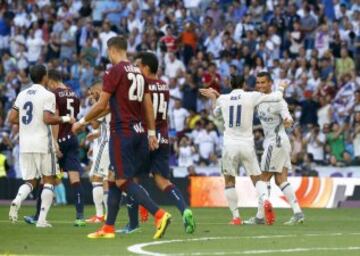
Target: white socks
[[290, 196], [23, 192], [98, 197], [262, 192], [47, 197], [232, 199]]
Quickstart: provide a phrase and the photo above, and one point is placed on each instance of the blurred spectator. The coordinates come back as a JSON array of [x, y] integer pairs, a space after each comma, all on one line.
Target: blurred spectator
[[344, 64], [180, 116], [309, 108], [315, 142], [206, 142], [336, 141]]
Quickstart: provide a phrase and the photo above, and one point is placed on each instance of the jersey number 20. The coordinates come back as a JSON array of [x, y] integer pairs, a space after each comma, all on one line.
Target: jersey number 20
[[136, 91], [28, 107], [237, 115]]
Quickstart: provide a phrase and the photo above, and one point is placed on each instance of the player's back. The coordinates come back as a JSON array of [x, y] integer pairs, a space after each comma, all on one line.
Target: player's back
[[237, 109], [68, 104], [127, 86], [34, 135], [160, 97]]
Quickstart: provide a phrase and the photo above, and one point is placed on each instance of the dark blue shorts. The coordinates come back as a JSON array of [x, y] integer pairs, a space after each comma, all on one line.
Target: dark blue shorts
[[70, 161], [159, 161], [128, 153]]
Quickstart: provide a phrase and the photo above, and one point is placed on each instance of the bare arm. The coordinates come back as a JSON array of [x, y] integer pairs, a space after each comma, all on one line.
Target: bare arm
[[149, 114], [100, 107], [13, 117], [53, 119], [150, 121]]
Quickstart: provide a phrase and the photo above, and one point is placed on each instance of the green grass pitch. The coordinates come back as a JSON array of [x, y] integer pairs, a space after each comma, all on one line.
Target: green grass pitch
[[325, 232]]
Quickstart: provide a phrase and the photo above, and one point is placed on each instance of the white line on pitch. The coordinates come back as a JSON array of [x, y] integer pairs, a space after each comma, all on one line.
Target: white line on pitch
[[139, 248]]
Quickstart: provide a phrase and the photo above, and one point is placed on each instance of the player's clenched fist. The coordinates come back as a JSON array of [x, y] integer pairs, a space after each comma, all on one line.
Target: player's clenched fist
[[283, 85], [153, 143]]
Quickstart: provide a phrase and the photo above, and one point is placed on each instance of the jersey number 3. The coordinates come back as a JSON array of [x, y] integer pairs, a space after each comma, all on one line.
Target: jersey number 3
[[136, 91], [28, 107], [237, 115]]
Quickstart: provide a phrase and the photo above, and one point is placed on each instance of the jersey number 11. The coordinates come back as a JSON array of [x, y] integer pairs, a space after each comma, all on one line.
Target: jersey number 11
[[237, 110]]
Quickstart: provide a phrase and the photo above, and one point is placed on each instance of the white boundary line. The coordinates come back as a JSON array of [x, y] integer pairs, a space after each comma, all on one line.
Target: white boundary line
[[139, 248]]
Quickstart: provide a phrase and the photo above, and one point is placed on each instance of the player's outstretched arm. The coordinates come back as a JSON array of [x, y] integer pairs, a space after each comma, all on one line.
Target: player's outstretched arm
[[96, 110], [13, 117], [274, 96], [150, 121], [53, 119]]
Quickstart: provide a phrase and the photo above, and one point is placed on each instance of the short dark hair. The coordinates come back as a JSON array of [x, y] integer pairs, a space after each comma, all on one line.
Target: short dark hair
[[237, 82], [55, 75], [119, 42], [266, 74], [37, 73], [149, 59]]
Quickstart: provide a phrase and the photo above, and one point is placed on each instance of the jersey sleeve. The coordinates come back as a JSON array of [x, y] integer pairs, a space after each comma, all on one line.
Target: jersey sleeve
[[111, 79], [284, 110], [50, 103], [217, 110], [259, 97]]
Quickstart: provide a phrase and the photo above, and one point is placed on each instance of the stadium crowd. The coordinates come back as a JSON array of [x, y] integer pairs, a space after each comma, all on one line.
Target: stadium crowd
[[313, 45]]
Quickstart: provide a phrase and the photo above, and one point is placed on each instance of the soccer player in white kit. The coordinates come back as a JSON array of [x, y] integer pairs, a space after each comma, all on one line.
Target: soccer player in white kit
[[34, 112], [237, 110], [101, 160], [276, 161]]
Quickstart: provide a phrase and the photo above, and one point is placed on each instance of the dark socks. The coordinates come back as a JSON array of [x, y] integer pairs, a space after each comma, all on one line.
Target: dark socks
[[79, 201], [140, 195], [114, 197], [133, 211], [174, 193]]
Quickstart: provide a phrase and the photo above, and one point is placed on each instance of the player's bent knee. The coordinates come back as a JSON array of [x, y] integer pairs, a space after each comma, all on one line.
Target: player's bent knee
[[32, 182], [96, 179], [229, 181], [49, 179], [162, 182], [74, 177]]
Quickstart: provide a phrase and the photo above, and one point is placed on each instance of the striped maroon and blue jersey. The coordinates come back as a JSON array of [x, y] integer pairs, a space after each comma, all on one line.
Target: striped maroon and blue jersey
[[127, 87], [160, 96], [68, 104]]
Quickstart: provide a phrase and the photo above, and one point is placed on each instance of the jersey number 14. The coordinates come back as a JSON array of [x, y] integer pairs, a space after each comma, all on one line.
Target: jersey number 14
[[235, 113]]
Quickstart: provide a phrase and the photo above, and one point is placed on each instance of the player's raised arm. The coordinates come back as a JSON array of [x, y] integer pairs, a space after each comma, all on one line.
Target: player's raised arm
[[274, 96], [150, 121]]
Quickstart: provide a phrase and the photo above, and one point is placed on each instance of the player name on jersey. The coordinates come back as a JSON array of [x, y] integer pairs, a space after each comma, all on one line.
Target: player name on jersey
[[66, 94], [131, 69], [158, 87]]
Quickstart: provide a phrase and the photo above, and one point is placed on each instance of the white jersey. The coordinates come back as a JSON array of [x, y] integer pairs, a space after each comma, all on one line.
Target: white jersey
[[105, 128], [237, 109], [34, 135], [271, 115]]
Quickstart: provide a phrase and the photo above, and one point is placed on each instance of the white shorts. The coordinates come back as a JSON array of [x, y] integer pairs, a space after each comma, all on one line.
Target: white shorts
[[101, 161], [275, 158], [239, 154], [36, 165]]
